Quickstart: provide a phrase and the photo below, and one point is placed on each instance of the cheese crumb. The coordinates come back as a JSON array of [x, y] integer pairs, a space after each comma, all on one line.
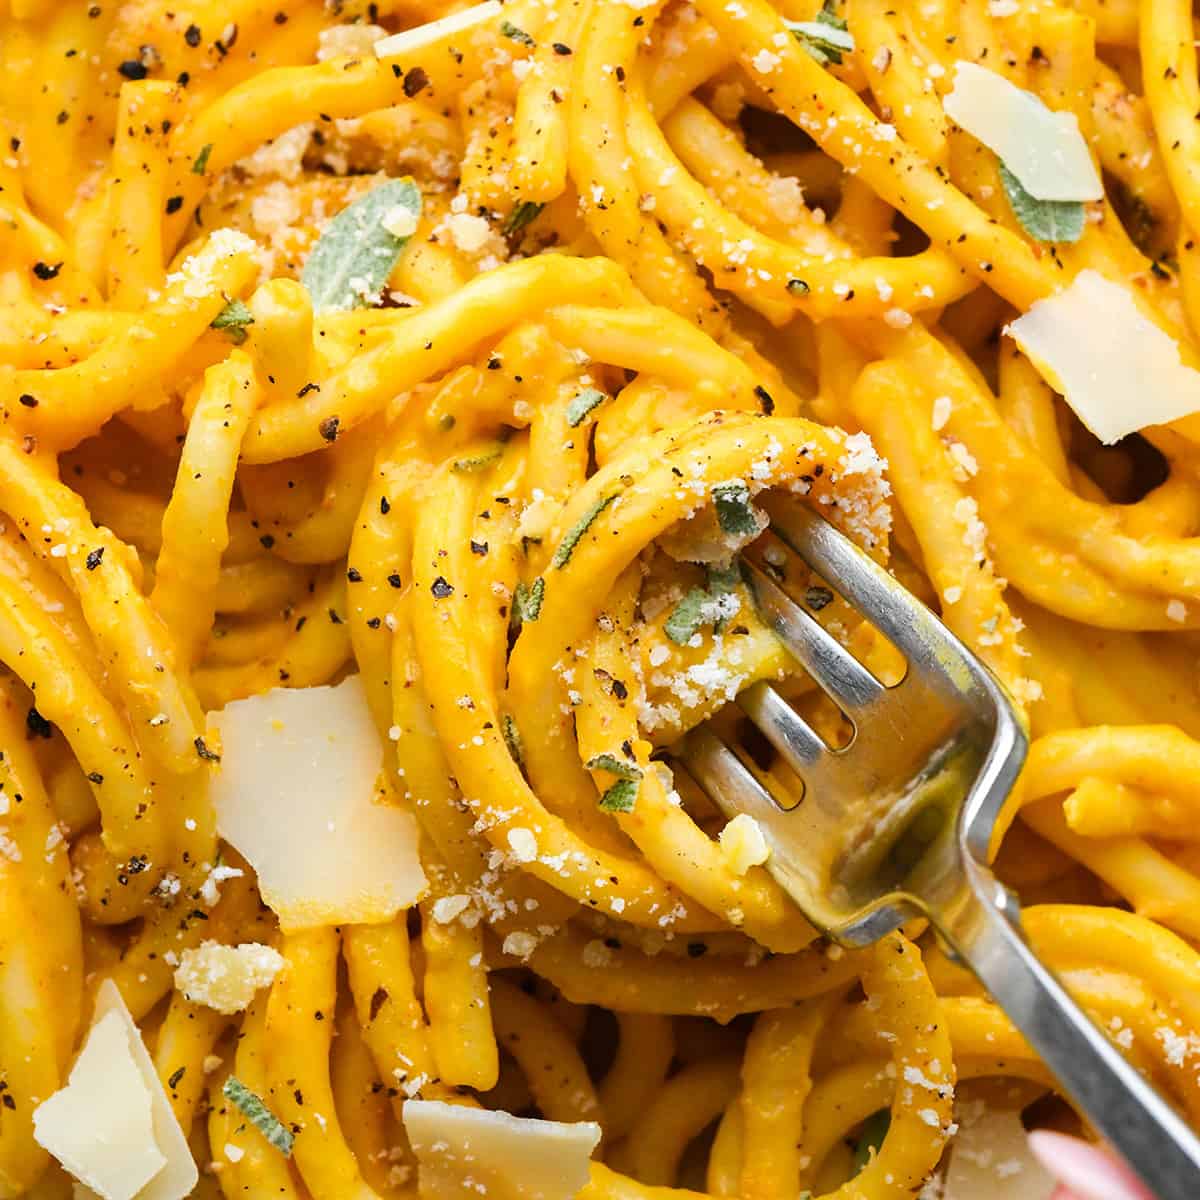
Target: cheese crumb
[[743, 844], [226, 977]]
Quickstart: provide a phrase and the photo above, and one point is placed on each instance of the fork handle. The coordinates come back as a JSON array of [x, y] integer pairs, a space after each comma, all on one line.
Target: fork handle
[[986, 934]]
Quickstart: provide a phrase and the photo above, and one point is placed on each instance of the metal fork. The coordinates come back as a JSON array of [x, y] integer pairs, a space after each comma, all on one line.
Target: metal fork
[[897, 824]]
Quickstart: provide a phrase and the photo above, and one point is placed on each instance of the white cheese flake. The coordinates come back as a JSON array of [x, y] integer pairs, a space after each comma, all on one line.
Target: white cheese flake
[[1044, 149], [296, 795], [435, 31], [1115, 367], [467, 1153], [112, 1126]]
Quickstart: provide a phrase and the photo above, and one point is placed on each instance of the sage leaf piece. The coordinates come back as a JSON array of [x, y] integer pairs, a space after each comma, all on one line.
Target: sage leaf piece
[[826, 39], [687, 617], [621, 797], [351, 262], [233, 319], [1043, 220], [735, 515], [583, 404], [619, 767], [521, 215], [259, 1115]]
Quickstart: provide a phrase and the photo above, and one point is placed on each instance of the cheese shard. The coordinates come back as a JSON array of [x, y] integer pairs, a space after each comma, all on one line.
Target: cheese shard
[[295, 795], [465, 1153], [1044, 149], [112, 1126], [432, 32], [1115, 367], [990, 1159]]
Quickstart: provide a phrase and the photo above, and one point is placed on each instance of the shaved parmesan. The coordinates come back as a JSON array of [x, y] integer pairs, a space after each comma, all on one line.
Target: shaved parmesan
[[296, 796], [1042, 148], [990, 1159], [1115, 367], [465, 1153], [434, 31], [112, 1126]]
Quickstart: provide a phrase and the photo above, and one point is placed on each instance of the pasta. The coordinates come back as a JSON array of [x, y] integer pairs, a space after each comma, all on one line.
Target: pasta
[[338, 341]]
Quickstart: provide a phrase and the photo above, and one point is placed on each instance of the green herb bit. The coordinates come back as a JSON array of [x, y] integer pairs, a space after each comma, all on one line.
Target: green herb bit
[[870, 1138], [233, 319], [566, 548], [518, 35], [522, 214], [620, 767], [353, 260], [797, 287], [722, 580], [734, 513], [826, 39], [527, 601], [476, 462], [259, 1115], [512, 739], [583, 404], [201, 163], [621, 797], [1043, 220], [686, 619]]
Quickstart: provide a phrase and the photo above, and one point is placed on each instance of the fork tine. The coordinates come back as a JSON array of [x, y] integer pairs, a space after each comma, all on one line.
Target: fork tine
[[783, 727], [907, 623], [729, 783], [838, 672]]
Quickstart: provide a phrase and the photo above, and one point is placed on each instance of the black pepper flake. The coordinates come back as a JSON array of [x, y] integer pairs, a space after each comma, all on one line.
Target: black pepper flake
[[46, 271], [204, 752], [697, 949], [334, 619], [132, 69], [95, 777], [354, 575], [63, 117], [620, 74], [192, 35], [94, 558], [174, 204], [267, 541], [308, 387], [37, 725], [619, 689], [281, 18], [329, 429], [818, 598], [441, 589], [559, 48], [395, 580], [765, 399], [385, 505], [27, 400], [480, 548], [9, 1102], [416, 80], [175, 1077], [374, 623]]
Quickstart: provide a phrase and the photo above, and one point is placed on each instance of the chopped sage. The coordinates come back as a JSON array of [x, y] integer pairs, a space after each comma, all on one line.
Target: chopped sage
[[201, 163], [687, 617], [1043, 220], [512, 739], [621, 797], [734, 513], [353, 259], [620, 767], [515, 33], [476, 462], [259, 1115], [583, 404], [527, 601], [566, 547], [233, 319], [522, 214], [826, 39]]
